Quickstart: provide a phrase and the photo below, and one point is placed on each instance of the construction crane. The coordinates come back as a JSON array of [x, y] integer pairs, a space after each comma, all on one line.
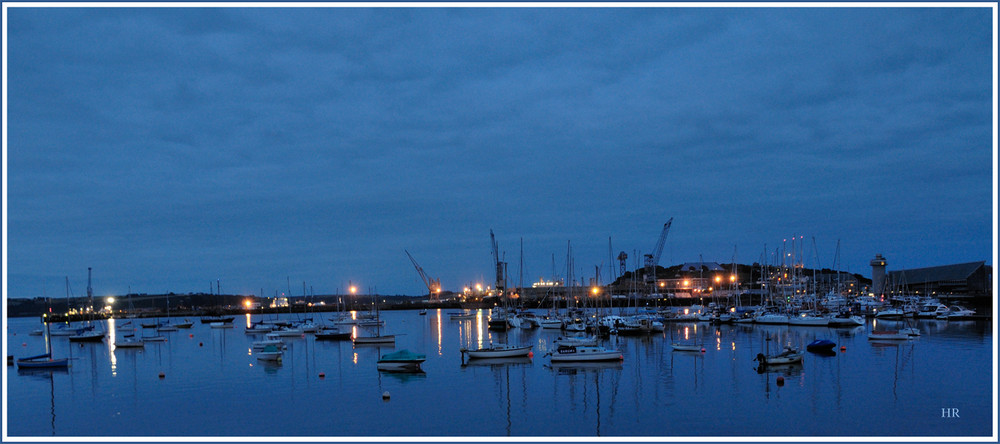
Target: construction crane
[[652, 260], [433, 285], [622, 257], [501, 266]]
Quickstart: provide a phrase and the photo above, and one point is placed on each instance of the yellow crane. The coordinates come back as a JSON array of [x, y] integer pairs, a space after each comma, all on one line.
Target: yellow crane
[[433, 285]]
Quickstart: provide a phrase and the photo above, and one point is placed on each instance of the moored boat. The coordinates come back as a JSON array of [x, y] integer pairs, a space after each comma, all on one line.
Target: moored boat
[[270, 353], [887, 335], [788, 356], [403, 360], [498, 351], [567, 353], [685, 347], [42, 361], [332, 334], [821, 345]]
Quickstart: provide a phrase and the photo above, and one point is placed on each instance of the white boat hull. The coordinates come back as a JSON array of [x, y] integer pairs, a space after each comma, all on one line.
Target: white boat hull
[[887, 336], [809, 320], [499, 352], [375, 340], [583, 354]]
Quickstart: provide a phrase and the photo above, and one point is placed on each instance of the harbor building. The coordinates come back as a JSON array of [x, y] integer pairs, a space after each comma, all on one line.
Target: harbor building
[[970, 280]]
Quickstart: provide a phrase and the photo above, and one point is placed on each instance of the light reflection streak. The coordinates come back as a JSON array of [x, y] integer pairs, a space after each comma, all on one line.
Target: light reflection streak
[[479, 329], [249, 324], [439, 331], [111, 346]]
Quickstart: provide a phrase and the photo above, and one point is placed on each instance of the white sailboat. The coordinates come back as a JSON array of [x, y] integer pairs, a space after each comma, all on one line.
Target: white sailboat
[[378, 338], [90, 334]]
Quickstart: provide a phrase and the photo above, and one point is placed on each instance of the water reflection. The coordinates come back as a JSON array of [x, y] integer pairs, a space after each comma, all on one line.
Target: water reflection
[[506, 396]]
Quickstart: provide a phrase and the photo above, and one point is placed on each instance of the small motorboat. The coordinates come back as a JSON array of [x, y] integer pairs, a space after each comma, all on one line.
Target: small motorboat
[[269, 353], [575, 341], [821, 346], [130, 342], [269, 339], [887, 335], [788, 356], [686, 347], [403, 360]]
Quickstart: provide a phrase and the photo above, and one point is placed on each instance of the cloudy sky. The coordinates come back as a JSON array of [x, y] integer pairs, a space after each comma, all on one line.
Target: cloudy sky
[[173, 148]]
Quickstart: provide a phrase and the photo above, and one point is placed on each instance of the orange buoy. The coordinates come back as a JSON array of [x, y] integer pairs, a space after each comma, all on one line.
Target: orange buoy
[[190, 335], [781, 380], [531, 354], [703, 349], [24, 344], [322, 375], [843, 348]]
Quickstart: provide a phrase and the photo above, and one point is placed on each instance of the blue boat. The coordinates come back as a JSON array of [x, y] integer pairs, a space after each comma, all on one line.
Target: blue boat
[[821, 345], [42, 361]]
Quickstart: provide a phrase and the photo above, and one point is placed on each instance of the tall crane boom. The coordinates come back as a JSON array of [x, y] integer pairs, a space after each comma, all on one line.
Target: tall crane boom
[[652, 260], [501, 280], [433, 285]]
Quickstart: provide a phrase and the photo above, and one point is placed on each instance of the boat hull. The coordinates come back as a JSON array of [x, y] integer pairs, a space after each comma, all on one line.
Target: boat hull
[[42, 362], [87, 337], [499, 352], [585, 354], [365, 340]]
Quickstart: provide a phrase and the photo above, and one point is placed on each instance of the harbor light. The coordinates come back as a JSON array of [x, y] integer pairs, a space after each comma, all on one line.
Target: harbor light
[[247, 303], [111, 300]]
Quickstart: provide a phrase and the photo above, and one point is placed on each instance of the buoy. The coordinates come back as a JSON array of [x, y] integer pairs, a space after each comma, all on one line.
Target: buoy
[[843, 348], [162, 375], [781, 380], [199, 344], [190, 335], [385, 396], [703, 349], [531, 354], [322, 375], [24, 344]]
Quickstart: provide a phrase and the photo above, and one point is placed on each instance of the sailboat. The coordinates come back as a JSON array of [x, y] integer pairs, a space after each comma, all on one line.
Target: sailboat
[[91, 334], [378, 338], [166, 325], [44, 360]]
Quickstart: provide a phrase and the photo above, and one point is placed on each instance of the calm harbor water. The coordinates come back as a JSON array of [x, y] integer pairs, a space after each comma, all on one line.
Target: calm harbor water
[[213, 385]]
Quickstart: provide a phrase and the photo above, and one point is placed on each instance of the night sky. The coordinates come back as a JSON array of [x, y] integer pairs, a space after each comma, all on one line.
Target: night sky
[[173, 148]]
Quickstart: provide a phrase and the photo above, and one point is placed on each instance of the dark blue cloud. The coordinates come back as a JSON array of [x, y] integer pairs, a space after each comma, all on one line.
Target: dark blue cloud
[[169, 147]]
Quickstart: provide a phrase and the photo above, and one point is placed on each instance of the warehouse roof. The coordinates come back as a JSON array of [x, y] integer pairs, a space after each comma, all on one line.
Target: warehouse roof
[[955, 272]]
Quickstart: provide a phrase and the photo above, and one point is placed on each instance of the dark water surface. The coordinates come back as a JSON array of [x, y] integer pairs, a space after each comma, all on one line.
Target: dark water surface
[[213, 385]]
